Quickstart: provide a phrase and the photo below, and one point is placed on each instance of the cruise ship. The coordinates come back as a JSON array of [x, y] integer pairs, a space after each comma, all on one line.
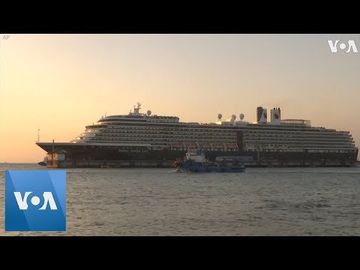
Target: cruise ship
[[149, 140]]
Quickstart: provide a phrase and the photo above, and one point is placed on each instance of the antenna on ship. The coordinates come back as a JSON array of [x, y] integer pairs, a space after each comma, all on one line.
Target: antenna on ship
[[38, 137], [52, 152], [137, 109]]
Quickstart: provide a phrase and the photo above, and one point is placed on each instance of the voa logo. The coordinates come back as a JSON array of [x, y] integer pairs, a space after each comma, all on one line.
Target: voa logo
[[349, 46], [35, 200]]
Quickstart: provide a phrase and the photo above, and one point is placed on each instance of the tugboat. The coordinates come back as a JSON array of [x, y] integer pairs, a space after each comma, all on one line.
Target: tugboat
[[196, 162]]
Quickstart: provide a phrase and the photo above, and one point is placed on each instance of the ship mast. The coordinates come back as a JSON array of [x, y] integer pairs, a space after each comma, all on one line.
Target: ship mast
[[137, 109]]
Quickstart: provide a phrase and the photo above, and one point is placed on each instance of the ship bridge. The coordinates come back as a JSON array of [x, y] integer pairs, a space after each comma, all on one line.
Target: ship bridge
[[136, 116]]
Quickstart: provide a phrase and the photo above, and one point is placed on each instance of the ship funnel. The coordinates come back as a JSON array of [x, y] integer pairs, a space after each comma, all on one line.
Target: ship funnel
[[233, 118], [241, 116], [261, 115], [275, 116], [219, 116]]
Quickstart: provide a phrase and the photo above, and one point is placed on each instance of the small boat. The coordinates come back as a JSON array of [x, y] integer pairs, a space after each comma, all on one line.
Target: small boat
[[43, 163], [196, 162]]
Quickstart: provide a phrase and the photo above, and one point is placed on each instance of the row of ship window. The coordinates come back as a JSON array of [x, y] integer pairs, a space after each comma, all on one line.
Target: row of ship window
[[167, 134], [171, 133], [308, 140], [299, 147], [252, 130], [289, 140], [154, 140], [224, 140], [313, 150], [299, 135], [266, 139], [232, 133], [130, 133], [161, 137]]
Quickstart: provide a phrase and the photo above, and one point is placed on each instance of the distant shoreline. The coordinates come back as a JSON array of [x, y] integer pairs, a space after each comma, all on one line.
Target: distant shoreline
[[19, 163]]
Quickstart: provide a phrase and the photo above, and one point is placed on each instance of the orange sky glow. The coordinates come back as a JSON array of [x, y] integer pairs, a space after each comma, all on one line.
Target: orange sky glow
[[60, 83]]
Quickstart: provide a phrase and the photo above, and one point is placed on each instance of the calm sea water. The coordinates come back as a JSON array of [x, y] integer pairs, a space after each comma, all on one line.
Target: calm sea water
[[262, 201]]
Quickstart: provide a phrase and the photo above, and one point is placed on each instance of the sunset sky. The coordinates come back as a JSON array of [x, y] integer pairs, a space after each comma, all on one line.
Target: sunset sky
[[60, 83]]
